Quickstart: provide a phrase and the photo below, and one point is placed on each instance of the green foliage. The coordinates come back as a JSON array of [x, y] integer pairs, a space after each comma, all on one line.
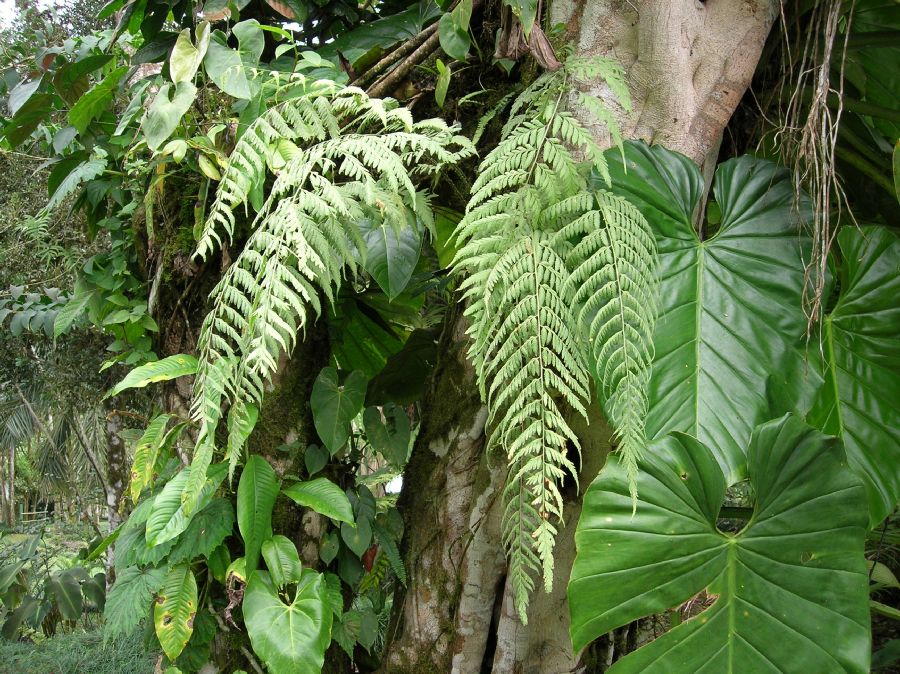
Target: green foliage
[[561, 286], [357, 158], [288, 637], [792, 582], [334, 406], [168, 516], [79, 652], [282, 561], [323, 496], [453, 30], [729, 324], [256, 494], [40, 586], [174, 610], [166, 111], [207, 531], [862, 364], [387, 430], [129, 598], [146, 452], [166, 369], [391, 257]]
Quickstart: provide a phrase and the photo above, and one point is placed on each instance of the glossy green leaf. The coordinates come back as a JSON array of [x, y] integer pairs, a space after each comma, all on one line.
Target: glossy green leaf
[[363, 341], [19, 94], [166, 111], [65, 587], [328, 549], [895, 163], [334, 406], [218, 562], [28, 612], [146, 452], [453, 31], [179, 365], [443, 82], [391, 257], [206, 532], [282, 560], [228, 68], [27, 119], [791, 592], [71, 311], [97, 100], [290, 638], [323, 496], [862, 364], [170, 514], [128, 601], [388, 432], [358, 538], [8, 573], [174, 610], [94, 590], [186, 56], [730, 318], [256, 494], [315, 458]]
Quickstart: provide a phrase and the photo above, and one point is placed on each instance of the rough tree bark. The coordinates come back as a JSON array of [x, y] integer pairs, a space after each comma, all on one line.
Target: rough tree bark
[[688, 63]]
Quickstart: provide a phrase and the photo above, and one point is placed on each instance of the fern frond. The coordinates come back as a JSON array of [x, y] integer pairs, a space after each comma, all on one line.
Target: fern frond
[[528, 362], [344, 157], [560, 288], [613, 283]]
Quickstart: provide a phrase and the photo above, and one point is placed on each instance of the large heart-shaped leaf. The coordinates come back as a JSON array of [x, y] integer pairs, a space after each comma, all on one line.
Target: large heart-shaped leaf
[[862, 364], [289, 638], [166, 112], [730, 303], [229, 69], [256, 494], [174, 610], [335, 406], [391, 256], [186, 56], [323, 496], [791, 587]]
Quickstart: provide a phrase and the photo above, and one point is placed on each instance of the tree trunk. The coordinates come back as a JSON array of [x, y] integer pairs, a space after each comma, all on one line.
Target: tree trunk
[[688, 64]]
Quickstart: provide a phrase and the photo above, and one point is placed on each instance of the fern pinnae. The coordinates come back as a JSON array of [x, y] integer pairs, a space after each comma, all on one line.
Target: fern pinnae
[[345, 157], [613, 282], [560, 290]]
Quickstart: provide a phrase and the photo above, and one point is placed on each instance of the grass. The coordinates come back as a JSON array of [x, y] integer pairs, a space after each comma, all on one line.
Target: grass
[[77, 653]]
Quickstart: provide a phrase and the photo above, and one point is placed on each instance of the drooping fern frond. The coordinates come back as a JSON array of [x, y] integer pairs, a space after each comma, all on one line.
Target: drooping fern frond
[[614, 286], [530, 362], [357, 158], [560, 287]]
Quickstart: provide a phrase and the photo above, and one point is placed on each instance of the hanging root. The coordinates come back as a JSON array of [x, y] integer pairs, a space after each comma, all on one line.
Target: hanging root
[[807, 136]]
